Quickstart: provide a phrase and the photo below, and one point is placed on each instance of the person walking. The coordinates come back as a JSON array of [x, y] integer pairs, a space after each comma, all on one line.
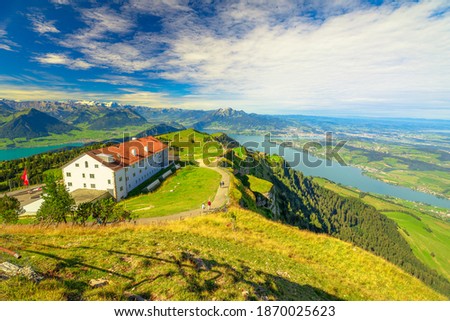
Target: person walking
[[209, 205], [203, 207]]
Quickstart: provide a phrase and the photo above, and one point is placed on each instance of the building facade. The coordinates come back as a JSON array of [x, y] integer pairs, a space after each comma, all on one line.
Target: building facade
[[117, 169]]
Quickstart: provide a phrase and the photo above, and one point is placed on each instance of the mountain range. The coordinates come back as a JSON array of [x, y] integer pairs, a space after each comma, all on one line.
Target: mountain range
[[33, 119]]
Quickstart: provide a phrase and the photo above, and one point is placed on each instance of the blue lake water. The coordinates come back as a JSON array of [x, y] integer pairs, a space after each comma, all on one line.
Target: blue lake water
[[346, 175], [14, 153]]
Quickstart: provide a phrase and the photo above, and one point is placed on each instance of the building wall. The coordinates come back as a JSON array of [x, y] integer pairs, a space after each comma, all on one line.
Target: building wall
[[96, 175], [138, 173]]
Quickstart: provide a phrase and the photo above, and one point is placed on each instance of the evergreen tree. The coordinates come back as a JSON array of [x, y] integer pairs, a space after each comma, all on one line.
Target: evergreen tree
[[58, 203], [9, 209]]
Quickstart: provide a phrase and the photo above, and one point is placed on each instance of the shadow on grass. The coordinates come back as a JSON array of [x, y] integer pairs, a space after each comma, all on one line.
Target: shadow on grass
[[201, 276]]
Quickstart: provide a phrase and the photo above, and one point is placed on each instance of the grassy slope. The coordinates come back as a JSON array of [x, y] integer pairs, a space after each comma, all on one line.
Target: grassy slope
[[190, 186], [422, 242], [260, 259], [201, 144], [259, 185]]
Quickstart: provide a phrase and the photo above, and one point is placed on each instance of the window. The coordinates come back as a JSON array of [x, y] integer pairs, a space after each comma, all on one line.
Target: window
[[69, 183], [91, 175], [84, 185], [69, 174], [109, 182], [120, 178], [84, 175], [77, 165], [96, 165], [92, 185], [86, 164], [121, 188], [134, 174]]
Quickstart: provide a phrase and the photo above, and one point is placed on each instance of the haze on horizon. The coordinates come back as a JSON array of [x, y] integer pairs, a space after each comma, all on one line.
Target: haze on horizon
[[335, 58]]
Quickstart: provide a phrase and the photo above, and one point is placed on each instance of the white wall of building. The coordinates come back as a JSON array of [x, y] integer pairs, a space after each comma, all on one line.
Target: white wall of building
[[87, 172]]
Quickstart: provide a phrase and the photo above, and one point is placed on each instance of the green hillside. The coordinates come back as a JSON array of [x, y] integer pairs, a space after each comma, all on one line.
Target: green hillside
[[211, 257], [429, 237]]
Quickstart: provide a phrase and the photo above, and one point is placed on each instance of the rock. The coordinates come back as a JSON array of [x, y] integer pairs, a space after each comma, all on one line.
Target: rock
[[10, 270], [98, 283]]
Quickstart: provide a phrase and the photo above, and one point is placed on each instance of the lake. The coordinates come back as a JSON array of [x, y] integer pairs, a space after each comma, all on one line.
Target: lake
[[14, 153], [346, 175]]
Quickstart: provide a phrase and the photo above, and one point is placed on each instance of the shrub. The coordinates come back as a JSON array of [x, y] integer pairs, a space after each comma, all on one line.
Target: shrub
[[9, 209]]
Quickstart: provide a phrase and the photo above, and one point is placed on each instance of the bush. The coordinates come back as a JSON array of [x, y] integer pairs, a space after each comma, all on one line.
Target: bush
[[103, 211], [9, 209]]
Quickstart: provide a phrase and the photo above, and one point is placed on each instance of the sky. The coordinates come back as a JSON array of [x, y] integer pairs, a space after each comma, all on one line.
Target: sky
[[317, 57]]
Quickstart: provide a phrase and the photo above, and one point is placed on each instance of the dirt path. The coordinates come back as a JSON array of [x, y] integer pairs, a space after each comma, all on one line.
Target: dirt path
[[220, 200]]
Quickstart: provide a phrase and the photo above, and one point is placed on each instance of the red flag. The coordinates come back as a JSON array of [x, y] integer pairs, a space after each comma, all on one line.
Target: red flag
[[24, 177]]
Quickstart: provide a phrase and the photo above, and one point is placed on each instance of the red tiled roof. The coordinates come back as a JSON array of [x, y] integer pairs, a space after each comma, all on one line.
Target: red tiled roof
[[123, 153]]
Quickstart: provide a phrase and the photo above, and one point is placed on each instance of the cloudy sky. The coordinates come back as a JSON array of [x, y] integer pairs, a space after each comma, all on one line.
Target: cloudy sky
[[326, 57]]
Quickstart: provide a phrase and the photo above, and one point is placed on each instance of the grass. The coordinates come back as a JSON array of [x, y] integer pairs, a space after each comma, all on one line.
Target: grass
[[185, 190], [428, 237], [259, 185], [413, 225], [202, 258], [190, 144]]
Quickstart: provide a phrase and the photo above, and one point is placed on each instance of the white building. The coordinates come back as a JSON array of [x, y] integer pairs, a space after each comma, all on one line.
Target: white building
[[117, 169]]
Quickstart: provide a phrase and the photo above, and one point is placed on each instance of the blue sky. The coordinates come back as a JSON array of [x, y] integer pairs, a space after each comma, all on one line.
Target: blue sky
[[324, 57]]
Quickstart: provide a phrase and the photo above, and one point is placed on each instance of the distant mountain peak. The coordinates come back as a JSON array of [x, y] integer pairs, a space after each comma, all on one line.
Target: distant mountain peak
[[228, 112]]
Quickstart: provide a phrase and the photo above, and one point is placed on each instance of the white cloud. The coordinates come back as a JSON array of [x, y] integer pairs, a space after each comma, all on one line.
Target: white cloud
[[62, 59], [40, 25], [61, 2], [270, 56], [5, 42], [115, 80], [399, 55]]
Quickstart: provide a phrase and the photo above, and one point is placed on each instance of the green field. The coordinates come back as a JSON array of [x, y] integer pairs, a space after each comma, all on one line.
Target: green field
[[202, 258], [429, 239], [259, 185], [428, 236], [185, 190], [190, 144]]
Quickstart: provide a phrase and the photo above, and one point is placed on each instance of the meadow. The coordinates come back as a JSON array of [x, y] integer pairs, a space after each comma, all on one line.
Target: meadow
[[239, 255], [185, 190]]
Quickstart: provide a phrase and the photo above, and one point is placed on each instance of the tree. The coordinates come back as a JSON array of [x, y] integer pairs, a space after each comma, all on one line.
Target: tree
[[58, 203], [82, 213], [9, 209], [107, 211]]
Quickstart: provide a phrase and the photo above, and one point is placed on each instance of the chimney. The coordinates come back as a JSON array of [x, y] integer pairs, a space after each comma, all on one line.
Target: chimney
[[133, 138]]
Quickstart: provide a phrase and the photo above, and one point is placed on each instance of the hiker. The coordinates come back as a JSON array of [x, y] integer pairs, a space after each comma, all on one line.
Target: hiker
[[209, 205], [203, 207]]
